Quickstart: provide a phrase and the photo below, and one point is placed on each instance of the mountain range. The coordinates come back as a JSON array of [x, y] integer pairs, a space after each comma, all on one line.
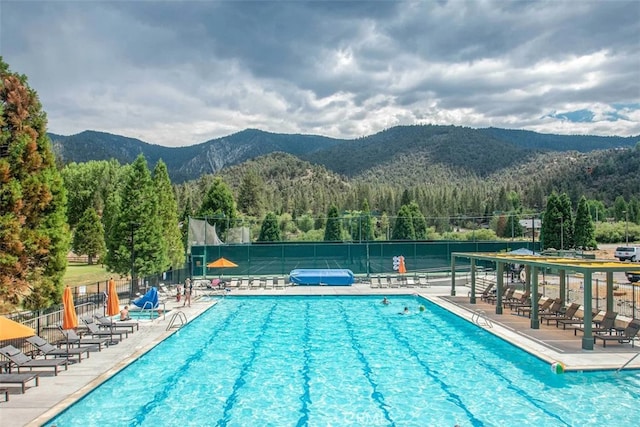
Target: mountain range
[[459, 150]]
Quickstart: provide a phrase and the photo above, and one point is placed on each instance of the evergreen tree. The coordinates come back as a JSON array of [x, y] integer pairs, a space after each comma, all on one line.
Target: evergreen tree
[[584, 234], [251, 194], [34, 237], [551, 218], [403, 228], [137, 220], [566, 223], [184, 221], [419, 221], [218, 206], [333, 229], [168, 215], [88, 237], [270, 231], [366, 222], [405, 199]]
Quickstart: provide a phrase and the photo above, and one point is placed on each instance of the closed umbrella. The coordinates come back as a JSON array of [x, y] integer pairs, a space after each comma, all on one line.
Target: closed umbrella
[[10, 330], [402, 268], [69, 318], [113, 303]]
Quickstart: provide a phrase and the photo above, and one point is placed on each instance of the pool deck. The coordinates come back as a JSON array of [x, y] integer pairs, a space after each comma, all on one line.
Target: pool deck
[[39, 404]]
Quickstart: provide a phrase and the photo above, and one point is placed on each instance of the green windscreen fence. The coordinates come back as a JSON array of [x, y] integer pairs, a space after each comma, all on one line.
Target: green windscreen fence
[[262, 259]]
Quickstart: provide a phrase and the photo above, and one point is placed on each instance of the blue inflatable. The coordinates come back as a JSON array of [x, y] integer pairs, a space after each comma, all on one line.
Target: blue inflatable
[[322, 276], [148, 300]]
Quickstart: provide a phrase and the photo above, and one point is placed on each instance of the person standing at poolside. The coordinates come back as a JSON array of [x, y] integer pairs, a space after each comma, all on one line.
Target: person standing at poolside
[[188, 289]]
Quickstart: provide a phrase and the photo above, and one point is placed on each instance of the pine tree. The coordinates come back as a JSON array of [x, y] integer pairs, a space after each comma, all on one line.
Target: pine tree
[[403, 229], [34, 237], [418, 221], [137, 219], [270, 231], [168, 215], [333, 229], [219, 206], [88, 237], [584, 233], [366, 222], [251, 194]]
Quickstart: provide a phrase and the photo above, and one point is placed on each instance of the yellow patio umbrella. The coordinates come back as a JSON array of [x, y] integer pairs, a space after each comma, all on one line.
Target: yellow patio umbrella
[[10, 330], [113, 303], [69, 316]]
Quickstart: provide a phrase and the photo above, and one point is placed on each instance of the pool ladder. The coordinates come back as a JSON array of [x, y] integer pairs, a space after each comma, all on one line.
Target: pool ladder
[[178, 316], [479, 317], [627, 362]]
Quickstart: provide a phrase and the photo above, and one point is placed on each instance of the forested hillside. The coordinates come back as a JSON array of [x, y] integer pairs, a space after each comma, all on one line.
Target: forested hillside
[[481, 151]]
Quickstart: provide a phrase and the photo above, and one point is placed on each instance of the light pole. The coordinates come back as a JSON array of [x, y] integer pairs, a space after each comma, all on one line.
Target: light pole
[[533, 233], [561, 233]]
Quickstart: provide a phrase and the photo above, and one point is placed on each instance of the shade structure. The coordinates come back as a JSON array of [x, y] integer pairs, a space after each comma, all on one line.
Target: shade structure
[[10, 330], [69, 316], [113, 303], [402, 268], [222, 263]]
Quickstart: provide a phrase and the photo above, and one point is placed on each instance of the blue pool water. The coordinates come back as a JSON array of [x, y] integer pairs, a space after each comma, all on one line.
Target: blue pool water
[[347, 361]]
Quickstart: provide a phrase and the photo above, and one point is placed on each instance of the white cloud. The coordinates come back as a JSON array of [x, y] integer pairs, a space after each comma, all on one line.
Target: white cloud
[[179, 73]]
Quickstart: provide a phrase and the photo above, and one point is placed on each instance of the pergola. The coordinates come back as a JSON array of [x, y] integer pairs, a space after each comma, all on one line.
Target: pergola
[[533, 265]]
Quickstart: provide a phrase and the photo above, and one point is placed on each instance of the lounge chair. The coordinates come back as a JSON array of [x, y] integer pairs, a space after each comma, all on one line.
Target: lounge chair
[[628, 334], [516, 299], [568, 315], [542, 306], [607, 324], [491, 297], [556, 309], [21, 379], [72, 338], [21, 360], [47, 349], [596, 317], [95, 331], [423, 282], [110, 323]]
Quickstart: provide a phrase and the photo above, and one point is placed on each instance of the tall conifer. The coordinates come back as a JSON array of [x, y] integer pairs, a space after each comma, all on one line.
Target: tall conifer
[[34, 238]]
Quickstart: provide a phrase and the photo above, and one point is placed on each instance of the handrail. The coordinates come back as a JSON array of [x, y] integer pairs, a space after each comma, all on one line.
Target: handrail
[[479, 315], [178, 315], [627, 362]]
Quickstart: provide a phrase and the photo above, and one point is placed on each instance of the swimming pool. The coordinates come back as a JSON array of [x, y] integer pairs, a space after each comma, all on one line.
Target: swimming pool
[[347, 361]]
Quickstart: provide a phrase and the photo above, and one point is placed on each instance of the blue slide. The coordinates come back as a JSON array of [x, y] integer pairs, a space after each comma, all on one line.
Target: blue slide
[[322, 276], [150, 297]]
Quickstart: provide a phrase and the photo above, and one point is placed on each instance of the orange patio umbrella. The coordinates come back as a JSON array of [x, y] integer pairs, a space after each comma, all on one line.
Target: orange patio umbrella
[[113, 303], [10, 330], [222, 263], [402, 268], [69, 316]]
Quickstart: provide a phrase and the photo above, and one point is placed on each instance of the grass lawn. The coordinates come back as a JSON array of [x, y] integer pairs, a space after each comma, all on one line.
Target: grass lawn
[[83, 274]]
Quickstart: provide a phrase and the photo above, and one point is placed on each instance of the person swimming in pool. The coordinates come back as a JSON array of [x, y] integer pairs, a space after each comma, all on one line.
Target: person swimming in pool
[[405, 311], [385, 301]]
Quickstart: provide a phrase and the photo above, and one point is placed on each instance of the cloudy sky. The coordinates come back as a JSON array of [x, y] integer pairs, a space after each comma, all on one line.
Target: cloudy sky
[[182, 72]]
